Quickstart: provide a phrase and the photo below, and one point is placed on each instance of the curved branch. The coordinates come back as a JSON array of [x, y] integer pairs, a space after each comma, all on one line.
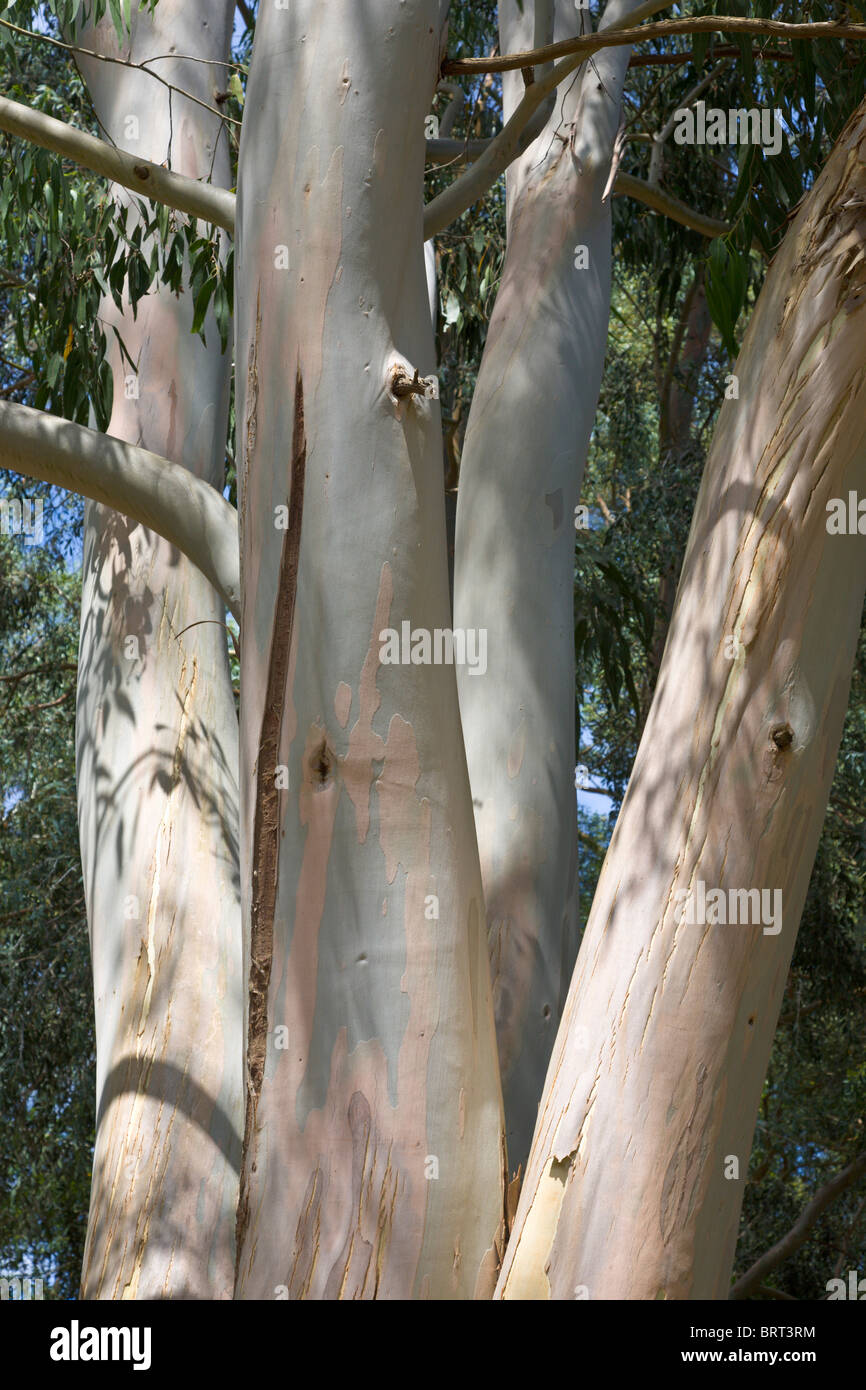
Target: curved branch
[[454, 107], [630, 187], [793, 1239], [204, 200], [161, 495], [618, 35]]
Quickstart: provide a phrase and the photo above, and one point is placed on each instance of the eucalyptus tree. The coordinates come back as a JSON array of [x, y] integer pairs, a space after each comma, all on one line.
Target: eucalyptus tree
[[376, 921]]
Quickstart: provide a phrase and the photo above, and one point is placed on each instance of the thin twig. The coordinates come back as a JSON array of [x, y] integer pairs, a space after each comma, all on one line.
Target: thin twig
[[121, 62]]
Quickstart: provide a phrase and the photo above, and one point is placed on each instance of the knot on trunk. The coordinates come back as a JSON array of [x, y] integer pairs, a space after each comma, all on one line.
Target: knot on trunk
[[402, 385]]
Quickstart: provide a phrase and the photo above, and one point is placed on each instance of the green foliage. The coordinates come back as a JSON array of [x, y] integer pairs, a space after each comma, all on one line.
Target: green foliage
[[69, 13], [469, 254], [726, 284], [71, 244], [594, 832], [612, 617], [756, 191], [46, 1010]]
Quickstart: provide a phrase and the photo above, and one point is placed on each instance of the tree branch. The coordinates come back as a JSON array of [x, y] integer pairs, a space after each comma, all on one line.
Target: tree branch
[[454, 107], [245, 13], [618, 35], [163, 496], [51, 704], [763, 55], [791, 1242], [444, 150], [152, 181], [40, 671], [670, 206]]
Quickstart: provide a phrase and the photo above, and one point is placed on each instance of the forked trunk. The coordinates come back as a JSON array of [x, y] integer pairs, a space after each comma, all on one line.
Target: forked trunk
[[639, 1160]]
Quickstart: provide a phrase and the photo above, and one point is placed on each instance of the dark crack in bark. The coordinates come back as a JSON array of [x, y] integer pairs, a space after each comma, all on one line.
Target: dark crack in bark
[[266, 823]]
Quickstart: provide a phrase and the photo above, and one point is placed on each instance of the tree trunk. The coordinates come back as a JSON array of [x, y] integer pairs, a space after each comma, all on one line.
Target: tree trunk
[[372, 1153], [157, 760], [632, 1191], [520, 477]]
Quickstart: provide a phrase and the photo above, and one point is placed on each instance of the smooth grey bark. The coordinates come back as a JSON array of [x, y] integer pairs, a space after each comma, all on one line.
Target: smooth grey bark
[[156, 737], [373, 1164], [520, 477], [636, 1175]]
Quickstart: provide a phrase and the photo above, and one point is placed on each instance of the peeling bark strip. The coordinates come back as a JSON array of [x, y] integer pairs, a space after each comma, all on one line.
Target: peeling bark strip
[[266, 832]]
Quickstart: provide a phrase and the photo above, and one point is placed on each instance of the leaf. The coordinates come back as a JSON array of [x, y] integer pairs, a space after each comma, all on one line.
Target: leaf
[[57, 183], [784, 166], [202, 301], [116, 19], [103, 400], [744, 182], [802, 50], [222, 315], [726, 285], [52, 371], [230, 277], [451, 308]]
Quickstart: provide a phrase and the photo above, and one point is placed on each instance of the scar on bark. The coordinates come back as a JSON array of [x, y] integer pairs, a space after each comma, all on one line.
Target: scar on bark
[[321, 762], [253, 386], [776, 757], [266, 822]]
